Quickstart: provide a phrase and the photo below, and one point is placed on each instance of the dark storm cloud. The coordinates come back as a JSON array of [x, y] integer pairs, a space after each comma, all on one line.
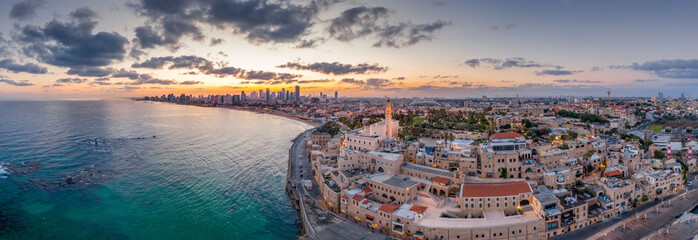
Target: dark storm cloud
[[26, 9], [676, 68], [362, 21], [21, 83], [555, 72], [336, 68], [71, 80], [10, 65], [73, 44], [90, 71]]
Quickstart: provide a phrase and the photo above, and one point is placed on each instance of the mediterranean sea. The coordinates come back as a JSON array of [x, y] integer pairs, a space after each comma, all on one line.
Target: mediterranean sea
[[143, 170]]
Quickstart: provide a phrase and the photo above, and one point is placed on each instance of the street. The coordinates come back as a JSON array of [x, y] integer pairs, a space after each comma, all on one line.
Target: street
[[636, 226]]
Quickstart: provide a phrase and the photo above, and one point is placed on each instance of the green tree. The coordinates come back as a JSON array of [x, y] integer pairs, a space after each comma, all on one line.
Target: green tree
[[659, 154], [504, 173], [527, 123]]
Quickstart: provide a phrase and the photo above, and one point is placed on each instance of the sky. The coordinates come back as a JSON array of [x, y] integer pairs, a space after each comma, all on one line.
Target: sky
[[79, 49]]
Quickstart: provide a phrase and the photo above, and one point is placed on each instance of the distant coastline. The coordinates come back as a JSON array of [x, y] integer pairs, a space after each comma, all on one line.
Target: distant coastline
[[251, 109]]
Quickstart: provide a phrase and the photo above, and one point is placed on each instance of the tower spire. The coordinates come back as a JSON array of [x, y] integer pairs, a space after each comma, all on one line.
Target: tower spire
[[389, 118]]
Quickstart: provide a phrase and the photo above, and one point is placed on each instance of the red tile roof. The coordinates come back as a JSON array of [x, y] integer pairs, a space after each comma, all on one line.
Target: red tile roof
[[418, 209], [614, 173], [345, 196], [389, 208], [366, 201], [367, 190], [499, 189], [358, 197], [441, 180], [505, 135]]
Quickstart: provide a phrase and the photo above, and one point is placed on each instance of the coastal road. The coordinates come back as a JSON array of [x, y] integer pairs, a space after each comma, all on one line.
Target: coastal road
[[322, 223], [637, 228]]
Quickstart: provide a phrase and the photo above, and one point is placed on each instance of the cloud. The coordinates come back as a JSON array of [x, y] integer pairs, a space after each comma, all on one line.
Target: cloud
[[363, 21], [644, 80], [147, 79], [22, 83], [26, 9], [216, 41], [90, 71], [189, 62], [515, 62], [264, 75], [258, 21], [315, 81], [190, 82], [101, 83], [676, 68], [336, 68], [123, 73], [72, 44], [308, 43], [555, 72], [10, 65], [208, 67], [369, 84], [71, 80], [445, 76], [507, 27], [574, 81]]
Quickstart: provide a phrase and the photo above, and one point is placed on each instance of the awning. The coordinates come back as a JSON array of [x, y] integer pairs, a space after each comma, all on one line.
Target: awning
[[369, 217]]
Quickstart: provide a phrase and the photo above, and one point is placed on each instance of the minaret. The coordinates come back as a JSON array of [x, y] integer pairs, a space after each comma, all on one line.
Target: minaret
[[609, 96], [389, 119]]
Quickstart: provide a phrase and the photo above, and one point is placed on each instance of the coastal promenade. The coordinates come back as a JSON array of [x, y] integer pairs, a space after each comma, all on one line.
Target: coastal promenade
[[318, 223]]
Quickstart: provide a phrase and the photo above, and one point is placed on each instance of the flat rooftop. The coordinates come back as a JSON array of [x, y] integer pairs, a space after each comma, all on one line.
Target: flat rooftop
[[492, 219], [388, 156], [426, 169], [398, 182], [495, 189]]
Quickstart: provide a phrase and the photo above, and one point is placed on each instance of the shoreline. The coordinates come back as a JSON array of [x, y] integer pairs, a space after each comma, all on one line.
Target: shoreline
[[253, 110]]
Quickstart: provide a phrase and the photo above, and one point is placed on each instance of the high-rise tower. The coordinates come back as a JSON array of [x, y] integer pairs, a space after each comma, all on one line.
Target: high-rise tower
[[297, 98], [609, 96]]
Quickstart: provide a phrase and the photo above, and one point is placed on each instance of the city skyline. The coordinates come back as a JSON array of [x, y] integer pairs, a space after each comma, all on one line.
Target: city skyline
[[450, 49]]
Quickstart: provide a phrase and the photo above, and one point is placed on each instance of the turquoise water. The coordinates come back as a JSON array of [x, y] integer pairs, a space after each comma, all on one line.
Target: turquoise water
[[209, 173]]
